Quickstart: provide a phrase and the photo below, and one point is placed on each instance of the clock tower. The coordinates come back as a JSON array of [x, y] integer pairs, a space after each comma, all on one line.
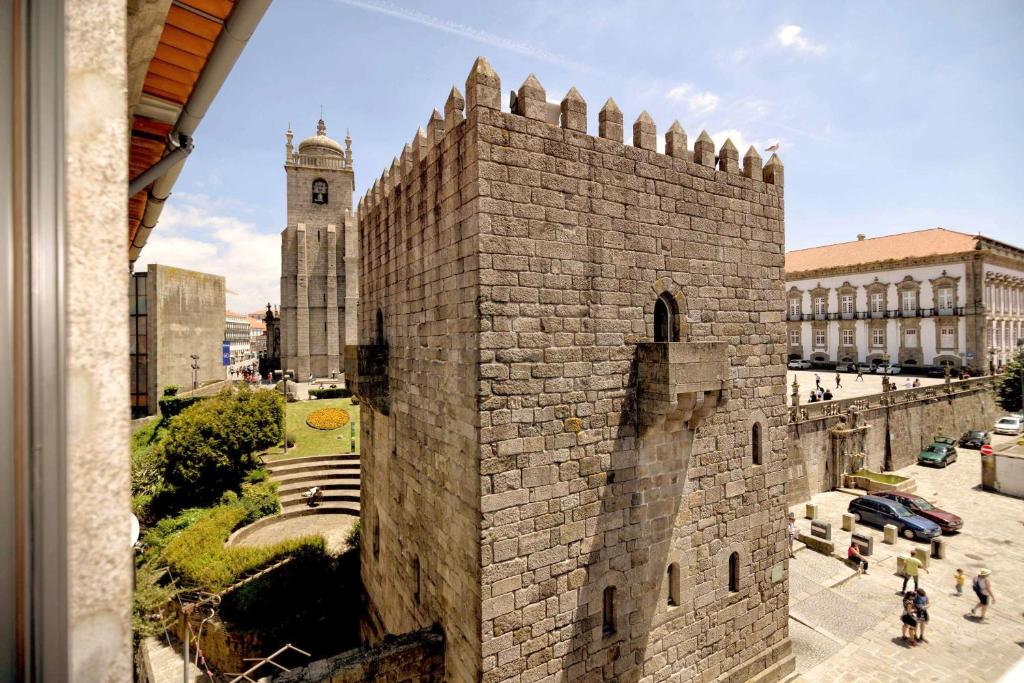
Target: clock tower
[[319, 257]]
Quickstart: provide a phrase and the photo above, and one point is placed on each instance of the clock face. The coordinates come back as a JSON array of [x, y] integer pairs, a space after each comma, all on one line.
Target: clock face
[[319, 191]]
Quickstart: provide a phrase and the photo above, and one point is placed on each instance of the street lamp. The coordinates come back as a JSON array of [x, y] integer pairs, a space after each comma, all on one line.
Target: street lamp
[[195, 371], [284, 374]]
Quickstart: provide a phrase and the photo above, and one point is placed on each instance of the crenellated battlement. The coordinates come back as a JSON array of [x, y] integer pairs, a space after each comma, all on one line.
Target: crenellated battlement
[[483, 88]]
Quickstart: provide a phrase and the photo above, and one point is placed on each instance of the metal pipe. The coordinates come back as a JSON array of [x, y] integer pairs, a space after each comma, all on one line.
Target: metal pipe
[[233, 38], [178, 153]]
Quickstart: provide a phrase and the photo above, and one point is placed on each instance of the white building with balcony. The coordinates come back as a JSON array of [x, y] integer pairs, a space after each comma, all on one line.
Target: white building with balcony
[[926, 298]]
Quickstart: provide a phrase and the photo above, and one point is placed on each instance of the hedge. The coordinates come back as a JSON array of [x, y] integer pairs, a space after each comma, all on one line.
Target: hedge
[[198, 556], [330, 393], [172, 405]]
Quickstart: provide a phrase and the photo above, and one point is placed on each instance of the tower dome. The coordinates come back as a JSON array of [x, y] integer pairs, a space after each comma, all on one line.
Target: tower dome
[[320, 145]]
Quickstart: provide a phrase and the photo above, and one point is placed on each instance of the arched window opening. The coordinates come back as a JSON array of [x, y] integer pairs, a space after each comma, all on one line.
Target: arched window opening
[[319, 193], [734, 572], [673, 585], [666, 319], [380, 328], [609, 611], [755, 442]]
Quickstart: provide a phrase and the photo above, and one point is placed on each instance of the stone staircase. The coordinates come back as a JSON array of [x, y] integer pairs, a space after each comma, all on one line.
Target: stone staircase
[[337, 475]]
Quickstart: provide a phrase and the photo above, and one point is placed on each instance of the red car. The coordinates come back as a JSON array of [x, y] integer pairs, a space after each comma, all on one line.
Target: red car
[[947, 521]]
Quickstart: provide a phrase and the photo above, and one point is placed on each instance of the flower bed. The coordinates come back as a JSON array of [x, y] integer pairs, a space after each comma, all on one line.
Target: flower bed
[[327, 418]]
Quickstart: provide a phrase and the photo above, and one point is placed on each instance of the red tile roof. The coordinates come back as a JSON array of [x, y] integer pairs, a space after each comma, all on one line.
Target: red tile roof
[[904, 245]]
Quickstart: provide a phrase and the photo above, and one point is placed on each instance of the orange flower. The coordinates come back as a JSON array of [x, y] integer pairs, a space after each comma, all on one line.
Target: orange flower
[[327, 418]]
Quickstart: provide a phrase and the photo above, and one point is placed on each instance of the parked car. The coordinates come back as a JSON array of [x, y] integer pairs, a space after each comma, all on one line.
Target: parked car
[[865, 368], [880, 369], [975, 439], [1011, 424], [798, 364], [881, 511], [947, 521], [938, 454]]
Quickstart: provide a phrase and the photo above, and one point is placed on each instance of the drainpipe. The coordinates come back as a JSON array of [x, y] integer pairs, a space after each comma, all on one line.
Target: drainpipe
[[233, 38]]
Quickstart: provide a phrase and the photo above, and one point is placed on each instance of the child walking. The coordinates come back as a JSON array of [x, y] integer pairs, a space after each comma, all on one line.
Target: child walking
[[959, 577]]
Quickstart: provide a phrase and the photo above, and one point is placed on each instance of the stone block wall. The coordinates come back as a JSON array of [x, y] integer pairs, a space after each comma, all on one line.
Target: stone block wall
[[420, 476], [545, 249], [914, 418], [411, 658]]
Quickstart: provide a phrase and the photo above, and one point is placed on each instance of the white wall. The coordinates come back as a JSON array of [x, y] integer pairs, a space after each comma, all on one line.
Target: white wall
[[1009, 475]]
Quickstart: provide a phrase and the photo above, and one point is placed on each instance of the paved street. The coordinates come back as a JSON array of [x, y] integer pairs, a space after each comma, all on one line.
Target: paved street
[[871, 384], [846, 627]]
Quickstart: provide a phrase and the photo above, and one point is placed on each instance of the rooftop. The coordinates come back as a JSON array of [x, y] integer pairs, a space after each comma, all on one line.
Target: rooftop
[[904, 245]]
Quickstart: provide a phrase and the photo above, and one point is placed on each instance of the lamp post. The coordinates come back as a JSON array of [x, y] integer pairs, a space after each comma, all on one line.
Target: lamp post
[[284, 411], [195, 371]]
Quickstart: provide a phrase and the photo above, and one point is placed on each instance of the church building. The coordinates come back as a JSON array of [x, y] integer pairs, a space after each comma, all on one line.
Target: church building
[[319, 259]]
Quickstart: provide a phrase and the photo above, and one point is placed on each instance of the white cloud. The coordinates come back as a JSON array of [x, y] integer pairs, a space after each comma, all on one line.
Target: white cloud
[[198, 233], [696, 102], [791, 36]]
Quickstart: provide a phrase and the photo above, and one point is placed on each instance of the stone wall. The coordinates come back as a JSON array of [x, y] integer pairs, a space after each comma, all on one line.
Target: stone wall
[[417, 656], [910, 418], [420, 476], [517, 265]]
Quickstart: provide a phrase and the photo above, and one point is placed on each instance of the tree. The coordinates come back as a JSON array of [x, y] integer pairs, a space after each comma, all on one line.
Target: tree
[[211, 446], [1008, 384]]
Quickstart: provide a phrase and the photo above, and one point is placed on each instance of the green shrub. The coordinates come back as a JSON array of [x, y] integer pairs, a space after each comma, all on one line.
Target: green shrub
[[260, 500], [354, 535], [198, 557], [149, 597], [211, 446], [173, 405], [171, 390], [330, 393]]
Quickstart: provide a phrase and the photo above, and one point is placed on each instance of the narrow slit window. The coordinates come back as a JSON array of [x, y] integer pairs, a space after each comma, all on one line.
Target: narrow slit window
[[755, 442], [734, 572], [673, 584], [609, 611]]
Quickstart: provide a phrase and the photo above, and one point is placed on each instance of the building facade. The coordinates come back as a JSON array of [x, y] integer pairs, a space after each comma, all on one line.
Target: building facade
[[571, 369], [257, 335], [319, 285], [926, 298], [173, 314], [237, 336]]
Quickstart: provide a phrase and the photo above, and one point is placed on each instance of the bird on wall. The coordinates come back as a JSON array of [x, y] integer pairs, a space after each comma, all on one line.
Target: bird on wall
[[773, 148]]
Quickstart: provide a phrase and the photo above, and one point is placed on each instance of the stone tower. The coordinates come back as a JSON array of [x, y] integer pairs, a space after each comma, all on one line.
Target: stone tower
[[319, 256], [572, 378]]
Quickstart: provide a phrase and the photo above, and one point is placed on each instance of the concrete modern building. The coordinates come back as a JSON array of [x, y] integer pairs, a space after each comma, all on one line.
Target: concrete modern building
[[174, 314], [571, 366], [925, 298], [238, 336], [318, 256]]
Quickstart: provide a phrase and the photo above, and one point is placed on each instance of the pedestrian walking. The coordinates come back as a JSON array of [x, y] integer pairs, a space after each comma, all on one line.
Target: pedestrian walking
[[921, 604], [908, 617], [911, 567], [860, 374], [817, 381], [983, 589], [959, 578], [791, 530], [839, 381]]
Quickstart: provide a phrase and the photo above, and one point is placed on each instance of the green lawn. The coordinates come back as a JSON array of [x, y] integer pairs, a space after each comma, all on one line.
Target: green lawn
[[309, 441]]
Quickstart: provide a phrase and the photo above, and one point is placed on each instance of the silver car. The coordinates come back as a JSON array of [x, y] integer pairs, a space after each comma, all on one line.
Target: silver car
[[1010, 424]]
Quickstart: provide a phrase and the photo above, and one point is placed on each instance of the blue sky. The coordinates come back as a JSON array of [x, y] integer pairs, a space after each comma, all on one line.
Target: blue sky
[[890, 116]]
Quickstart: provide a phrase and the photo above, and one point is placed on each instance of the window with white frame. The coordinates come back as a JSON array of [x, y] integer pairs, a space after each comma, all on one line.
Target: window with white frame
[[819, 305], [794, 337], [947, 337], [910, 338], [847, 303], [909, 300], [945, 298], [877, 302], [847, 337], [819, 337], [794, 306], [878, 337]]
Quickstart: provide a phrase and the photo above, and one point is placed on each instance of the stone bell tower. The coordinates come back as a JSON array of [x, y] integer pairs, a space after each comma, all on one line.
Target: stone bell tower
[[319, 256]]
